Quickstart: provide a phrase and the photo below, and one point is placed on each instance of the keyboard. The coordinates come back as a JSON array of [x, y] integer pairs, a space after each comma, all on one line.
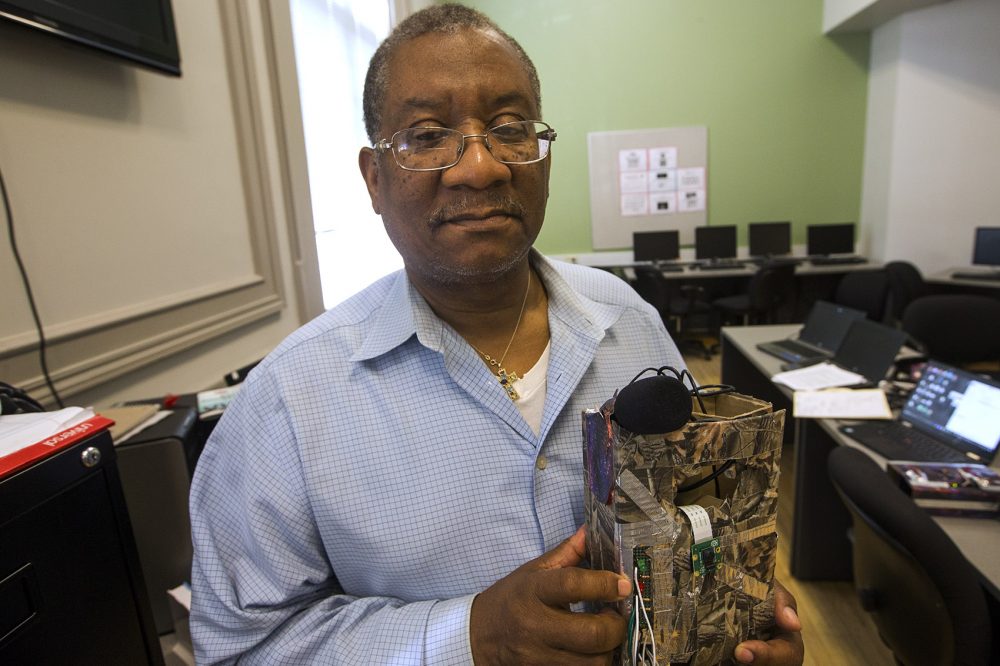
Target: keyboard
[[776, 261], [789, 350], [670, 268], [836, 261], [976, 275], [719, 266], [894, 441]]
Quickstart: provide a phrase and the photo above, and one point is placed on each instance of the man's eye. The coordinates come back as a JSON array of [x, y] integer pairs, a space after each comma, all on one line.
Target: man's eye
[[427, 136], [511, 133]]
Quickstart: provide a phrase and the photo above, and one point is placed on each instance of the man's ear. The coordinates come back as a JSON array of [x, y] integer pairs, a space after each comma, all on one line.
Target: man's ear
[[368, 163]]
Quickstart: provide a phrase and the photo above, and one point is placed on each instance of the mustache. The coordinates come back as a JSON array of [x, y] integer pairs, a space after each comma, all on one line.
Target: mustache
[[494, 201]]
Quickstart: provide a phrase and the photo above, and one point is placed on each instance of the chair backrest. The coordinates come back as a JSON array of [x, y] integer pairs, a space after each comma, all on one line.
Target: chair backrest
[[652, 287], [923, 595], [864, 290], [771, 286], [905, 284], [956, 328]]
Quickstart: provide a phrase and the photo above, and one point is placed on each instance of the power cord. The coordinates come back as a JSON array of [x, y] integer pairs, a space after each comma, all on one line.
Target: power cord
[[28, 293]]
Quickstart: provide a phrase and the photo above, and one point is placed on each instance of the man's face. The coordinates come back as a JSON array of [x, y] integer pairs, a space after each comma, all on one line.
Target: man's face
[[472, 222]]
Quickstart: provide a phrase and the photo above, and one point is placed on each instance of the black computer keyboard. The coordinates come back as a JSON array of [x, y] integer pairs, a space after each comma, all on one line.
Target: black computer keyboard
[[719, 266], [894, 441], [836, 261], [776, 261], [670, 268], [976, 275]]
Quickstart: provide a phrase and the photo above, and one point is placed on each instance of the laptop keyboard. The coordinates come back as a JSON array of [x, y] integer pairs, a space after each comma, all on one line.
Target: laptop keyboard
[[894, 441], [788, 350]]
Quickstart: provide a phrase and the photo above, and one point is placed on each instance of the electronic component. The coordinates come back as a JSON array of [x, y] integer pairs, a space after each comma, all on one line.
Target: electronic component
[[705, 556], [643, 564]]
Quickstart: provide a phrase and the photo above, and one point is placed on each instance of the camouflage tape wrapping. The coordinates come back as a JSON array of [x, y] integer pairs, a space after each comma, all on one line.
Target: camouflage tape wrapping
[[632, 502]]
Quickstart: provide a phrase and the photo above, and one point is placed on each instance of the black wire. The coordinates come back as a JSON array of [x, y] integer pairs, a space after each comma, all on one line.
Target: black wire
[[27, 291], [702, 481]]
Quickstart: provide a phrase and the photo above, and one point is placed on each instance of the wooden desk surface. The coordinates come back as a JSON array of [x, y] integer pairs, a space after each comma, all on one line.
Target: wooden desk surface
[[977, 538]]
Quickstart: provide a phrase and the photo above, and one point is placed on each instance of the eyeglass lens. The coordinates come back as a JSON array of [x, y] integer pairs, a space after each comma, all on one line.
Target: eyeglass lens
[[439, 148]]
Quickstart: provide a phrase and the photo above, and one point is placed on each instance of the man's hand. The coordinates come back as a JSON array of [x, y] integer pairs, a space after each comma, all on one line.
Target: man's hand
[[786, 648], [524, 618]]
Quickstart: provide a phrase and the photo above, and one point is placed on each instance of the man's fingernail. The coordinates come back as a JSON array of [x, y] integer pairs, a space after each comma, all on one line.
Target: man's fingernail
[[624, 587], [743, 655], [790, 613]]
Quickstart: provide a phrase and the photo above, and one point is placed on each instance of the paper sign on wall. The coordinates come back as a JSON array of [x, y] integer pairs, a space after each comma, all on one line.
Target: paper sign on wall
[[653, 173]]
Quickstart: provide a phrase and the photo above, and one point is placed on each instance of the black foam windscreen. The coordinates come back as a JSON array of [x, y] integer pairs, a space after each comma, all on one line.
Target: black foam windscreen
[[653, 405]]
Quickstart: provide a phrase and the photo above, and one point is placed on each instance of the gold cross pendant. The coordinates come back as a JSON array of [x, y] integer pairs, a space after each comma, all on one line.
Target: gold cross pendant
[[507, 382]]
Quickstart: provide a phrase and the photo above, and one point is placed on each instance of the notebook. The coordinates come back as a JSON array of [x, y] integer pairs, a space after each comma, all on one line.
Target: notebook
[[869, 349], [820, 337], [951, 416]]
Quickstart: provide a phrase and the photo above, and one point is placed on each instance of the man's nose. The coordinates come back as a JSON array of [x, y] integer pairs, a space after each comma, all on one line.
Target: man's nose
[[477, 168]]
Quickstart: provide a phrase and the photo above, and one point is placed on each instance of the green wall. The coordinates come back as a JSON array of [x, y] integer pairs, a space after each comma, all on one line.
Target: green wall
[[784, 104]]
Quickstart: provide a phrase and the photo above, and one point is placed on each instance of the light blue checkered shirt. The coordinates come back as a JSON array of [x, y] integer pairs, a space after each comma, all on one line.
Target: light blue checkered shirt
[[372, 476]]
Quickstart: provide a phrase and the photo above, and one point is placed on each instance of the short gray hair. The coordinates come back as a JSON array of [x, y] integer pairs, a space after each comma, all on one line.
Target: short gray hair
[[447, 19]]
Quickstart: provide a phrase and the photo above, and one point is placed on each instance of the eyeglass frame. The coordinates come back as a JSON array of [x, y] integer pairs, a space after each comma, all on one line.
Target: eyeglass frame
[[383, 145]]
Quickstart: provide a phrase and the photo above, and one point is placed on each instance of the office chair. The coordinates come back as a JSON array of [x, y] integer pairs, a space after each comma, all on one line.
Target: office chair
[[677, 305], [867, 291], [923, 595], [956, 328], [771, 287], [905, 285]]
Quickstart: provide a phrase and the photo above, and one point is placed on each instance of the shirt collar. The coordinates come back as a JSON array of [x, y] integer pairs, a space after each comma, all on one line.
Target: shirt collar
[[404, 313]]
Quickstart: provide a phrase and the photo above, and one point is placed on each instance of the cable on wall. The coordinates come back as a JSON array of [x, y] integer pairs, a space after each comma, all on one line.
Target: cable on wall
[[28, 293]]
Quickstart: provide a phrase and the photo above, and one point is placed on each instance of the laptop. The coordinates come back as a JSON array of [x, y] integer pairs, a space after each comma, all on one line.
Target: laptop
[[951, 416], [820, 337], [869, 349]]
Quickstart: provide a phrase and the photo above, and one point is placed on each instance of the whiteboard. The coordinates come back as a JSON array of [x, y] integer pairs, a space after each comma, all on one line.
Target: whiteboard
[[647, 180]]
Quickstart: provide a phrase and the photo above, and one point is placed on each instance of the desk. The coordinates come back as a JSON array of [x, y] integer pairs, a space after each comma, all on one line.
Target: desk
[[812, 283], [944, 279], [820, 549], [805, 268]]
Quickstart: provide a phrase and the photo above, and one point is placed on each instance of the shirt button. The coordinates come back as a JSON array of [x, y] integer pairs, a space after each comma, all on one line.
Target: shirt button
[[541, 463]]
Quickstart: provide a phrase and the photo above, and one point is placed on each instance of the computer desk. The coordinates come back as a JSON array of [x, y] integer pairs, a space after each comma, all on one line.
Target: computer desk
[[945, 279], [805, 268], [820, 548]]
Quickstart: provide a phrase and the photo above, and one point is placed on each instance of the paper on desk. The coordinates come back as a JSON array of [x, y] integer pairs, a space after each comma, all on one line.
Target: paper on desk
[[817, 377], [841, 404], [20, 430]]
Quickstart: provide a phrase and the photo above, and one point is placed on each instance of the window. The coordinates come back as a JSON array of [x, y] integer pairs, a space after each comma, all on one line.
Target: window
[[334, 40]]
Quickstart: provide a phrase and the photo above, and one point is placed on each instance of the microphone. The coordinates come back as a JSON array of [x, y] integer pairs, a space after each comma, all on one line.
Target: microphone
[[656, 404]]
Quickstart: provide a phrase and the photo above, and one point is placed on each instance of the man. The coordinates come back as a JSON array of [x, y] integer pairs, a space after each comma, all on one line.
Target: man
[[400, 481]]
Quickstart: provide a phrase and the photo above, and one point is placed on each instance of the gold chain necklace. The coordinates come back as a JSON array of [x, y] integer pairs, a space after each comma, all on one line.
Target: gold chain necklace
[[505, 378]]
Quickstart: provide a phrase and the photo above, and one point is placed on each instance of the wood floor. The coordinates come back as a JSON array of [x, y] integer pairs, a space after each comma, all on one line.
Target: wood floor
[[835, 629]]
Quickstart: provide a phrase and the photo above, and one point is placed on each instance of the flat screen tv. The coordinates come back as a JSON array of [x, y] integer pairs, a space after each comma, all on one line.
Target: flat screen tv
[[141, 31]]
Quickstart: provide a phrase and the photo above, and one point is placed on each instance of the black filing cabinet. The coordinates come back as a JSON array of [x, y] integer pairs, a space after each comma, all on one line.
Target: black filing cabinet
[[71, 589]]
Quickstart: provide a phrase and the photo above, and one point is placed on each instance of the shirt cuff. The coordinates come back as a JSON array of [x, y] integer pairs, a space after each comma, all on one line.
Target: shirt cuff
[[448, 624]]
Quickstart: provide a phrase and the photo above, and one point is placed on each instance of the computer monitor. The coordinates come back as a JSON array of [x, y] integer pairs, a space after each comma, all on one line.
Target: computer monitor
[[986, 250], [656, 245], [769, 239], [824, 239], [715, 242]]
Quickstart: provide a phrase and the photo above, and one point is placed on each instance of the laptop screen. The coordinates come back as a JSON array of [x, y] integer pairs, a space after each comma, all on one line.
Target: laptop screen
[[827, 324], [869, 349], [958, 407]]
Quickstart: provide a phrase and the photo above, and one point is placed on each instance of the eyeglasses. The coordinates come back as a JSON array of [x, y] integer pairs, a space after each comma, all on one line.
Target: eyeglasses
[[436, 148]]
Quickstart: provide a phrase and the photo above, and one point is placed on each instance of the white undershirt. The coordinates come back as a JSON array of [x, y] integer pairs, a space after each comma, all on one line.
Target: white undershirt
[[531, 389]]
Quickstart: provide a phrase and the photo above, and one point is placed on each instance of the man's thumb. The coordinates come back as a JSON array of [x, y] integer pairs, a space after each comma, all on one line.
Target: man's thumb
[[569, 553]]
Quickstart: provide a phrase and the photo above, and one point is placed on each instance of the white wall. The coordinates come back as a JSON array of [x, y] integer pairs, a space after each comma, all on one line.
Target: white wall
[[139, 201], [932, 151]]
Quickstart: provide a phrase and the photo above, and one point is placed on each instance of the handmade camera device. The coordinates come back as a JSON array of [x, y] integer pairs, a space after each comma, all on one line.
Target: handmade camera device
[[681, 495]]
